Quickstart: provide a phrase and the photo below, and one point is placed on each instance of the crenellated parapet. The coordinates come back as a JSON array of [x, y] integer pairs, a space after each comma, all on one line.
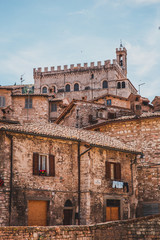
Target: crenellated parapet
[[78, 67]]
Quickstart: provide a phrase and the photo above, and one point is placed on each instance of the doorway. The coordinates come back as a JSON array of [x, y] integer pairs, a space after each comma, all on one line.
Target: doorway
[[37, 213], [68, 213], [112, 210]]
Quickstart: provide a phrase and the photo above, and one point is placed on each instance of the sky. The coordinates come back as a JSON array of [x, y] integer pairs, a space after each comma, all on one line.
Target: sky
[[45, 33]]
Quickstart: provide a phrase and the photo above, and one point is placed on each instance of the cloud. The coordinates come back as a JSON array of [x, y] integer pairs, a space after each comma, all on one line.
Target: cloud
[[80, 12]]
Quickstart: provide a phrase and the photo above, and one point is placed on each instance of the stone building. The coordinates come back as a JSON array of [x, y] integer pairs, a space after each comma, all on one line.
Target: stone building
[[142, 132], [80, 113], [89, 81], [57, 175]]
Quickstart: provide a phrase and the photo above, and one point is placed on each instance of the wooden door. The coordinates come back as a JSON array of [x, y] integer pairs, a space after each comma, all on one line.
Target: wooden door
[[112, 213], [37, 213], [67, 216]]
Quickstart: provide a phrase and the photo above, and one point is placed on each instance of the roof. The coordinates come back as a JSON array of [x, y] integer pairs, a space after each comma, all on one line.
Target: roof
[[144, 115], [109, 95], [10, 87], [73, 103], [30, 94], [51, 130]]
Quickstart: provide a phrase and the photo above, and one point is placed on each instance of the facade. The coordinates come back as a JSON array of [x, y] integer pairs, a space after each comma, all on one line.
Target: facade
[[86, 82], [142, 132], [80, 113], [56, 175]]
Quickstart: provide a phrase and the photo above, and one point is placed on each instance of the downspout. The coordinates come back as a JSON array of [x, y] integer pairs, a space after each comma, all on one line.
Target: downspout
[[79, 184], [79, 179], [11, 176]]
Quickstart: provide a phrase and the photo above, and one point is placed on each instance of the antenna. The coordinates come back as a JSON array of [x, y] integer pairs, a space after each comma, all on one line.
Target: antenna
[[21, 78], [121, 46], [140, 86]]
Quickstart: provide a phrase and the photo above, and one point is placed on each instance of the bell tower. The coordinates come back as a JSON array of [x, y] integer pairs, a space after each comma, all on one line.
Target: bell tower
[[121, 54]]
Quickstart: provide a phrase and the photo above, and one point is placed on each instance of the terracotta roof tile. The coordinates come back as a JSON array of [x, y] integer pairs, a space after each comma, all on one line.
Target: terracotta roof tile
[[57, 131]]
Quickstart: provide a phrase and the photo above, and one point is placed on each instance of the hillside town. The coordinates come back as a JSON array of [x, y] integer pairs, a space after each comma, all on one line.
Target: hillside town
[[80, 146]]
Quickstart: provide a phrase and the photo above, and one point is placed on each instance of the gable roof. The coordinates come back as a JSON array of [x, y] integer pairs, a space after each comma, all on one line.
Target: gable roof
[[109, 95], [51, 130]]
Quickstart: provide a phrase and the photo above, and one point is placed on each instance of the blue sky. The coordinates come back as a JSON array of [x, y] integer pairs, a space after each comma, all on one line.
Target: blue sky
[[45, 33]]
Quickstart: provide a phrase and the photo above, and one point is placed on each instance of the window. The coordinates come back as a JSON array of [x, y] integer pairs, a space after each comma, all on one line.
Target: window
[[67, 88], [111, 115], [54, 89], [43, 164], [119, 85], [123, 84], [105, 84], [53, 107], [2, 101], [76, 87], [28, 102], [113, 171], [109, 102], [138, 107], [44, 90]]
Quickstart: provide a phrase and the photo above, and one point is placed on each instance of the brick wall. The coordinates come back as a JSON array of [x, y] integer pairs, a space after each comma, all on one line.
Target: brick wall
[[142, 228]]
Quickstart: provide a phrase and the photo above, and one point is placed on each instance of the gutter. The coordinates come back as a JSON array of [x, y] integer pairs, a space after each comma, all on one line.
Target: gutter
[[72, 139]]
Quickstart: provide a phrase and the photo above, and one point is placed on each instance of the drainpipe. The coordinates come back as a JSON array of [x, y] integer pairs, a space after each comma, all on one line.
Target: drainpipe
[[11, 176], [79, 178], [79, 184]]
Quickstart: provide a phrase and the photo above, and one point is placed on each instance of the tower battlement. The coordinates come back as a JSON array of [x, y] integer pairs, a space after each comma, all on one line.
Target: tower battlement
[[78, 67]]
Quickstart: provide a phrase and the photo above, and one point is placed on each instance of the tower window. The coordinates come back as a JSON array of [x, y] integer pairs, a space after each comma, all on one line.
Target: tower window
[[121, 60], [44, 90], [76, 87], [92, 76], [123, 84], [105, 84], [119, 85], [67, 88]]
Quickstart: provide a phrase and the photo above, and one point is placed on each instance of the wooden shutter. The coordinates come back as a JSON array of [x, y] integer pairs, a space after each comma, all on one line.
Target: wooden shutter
[[51, 165], [108, 170], [35, 163], [118, 171]]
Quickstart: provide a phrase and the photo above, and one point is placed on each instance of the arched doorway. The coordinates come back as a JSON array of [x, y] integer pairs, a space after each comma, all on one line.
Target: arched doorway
[[68, 213]]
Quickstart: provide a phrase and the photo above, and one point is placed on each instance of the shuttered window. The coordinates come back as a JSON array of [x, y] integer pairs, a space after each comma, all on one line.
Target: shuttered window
[[43, 164], [113, 170], [2, 101], [28, 102]]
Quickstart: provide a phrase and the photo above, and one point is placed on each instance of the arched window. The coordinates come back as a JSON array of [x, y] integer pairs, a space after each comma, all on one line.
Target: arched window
[[123, 84], [119, 85], [68, 203], [44, 90], [68, 88], [54, 89], [105, 84], [76, 87]]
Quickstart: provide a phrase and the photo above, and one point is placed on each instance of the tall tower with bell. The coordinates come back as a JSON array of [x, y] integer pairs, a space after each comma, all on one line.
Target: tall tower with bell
[[121, 54]]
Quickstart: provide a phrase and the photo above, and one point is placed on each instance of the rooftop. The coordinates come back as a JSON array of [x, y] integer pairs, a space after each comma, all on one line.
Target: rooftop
[[51, 130]]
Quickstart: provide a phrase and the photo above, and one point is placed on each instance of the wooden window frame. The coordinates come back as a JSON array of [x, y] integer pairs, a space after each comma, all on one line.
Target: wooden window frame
[[49, 164], [116, 171]]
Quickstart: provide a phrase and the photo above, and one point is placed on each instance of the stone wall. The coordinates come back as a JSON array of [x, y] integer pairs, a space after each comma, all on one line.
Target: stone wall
[[95, 188], [38, 113], [144, 135], [143, 228]]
